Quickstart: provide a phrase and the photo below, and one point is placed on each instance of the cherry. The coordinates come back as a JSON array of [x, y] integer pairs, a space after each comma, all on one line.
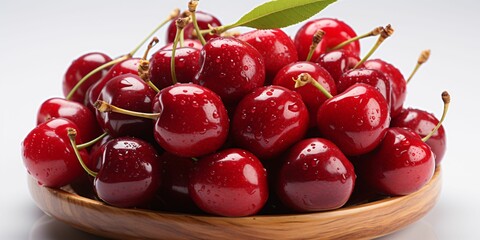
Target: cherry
[[338, 62], [230, 183], [231, 68], [73, 111], [191, 43], [312, 98], [269, 120], [130, 92], [48, 155], [79, 68], [315, 176], [275, 46], [204, 20], [336, 32], [400, 165]]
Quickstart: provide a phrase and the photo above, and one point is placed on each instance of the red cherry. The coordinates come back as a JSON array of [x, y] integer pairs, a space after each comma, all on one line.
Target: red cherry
[[192, 120], [204, 20], [275, 46], [191, 43], [231, 68], [315, 176], [79, 68], [400, 165], [338, 62], [130, 173], [49, 156], [336, 32], [355, 120], [73, 111], [230, 183], [269, 120]]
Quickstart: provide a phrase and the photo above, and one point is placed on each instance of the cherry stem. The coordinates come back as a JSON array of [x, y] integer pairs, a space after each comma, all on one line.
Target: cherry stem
[[317, 38], [172, 15], [144, 65], [192, 7], [72, 134], [181, 23], [446, 103], [421, 60], [384, 34], [103, 106], [182, 37], [305, 78], [372, 33], [91, 142]]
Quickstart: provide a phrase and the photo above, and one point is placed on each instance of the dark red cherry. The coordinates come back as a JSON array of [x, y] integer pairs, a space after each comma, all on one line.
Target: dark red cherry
[[130, 173], [129, 92], [269, 120], [229, 183], [192, 120], [400, 165], [336, 32], [204, 20], [312, 98], [79, 68], [422, 123], [338, 62], [398, 83], [275, 46], [49, 156], [231, 68], [186, 66], [355, 120], [73, 111], [191, 43], [315, 176]]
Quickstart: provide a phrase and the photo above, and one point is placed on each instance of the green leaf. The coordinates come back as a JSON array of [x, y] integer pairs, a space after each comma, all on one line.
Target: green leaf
[[281, 13]]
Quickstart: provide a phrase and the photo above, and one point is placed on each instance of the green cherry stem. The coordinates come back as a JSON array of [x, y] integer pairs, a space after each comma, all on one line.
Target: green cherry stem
[[103, 106], [386, 32], [372, 33], [91, 142], [181, 23], [144, 65], [446, 103], [424, 55], [192, 7], [305, 78], [317, 38], [72, 134]]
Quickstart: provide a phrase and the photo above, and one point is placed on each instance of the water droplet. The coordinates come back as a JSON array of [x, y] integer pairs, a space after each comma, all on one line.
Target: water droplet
[[293, 107], [305, 166]]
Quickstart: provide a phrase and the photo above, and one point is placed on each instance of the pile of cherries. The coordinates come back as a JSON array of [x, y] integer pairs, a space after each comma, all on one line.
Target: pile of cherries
[[244, 124]]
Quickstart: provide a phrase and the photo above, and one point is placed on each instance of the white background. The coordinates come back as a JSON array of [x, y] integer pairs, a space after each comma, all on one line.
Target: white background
[[39, 39]]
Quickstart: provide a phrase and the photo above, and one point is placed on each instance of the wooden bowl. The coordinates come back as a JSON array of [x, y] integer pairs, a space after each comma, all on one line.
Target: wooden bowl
[[363, 221]]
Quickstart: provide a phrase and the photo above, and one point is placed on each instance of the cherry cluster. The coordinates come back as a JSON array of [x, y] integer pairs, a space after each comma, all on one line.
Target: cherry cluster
[[236, 124]]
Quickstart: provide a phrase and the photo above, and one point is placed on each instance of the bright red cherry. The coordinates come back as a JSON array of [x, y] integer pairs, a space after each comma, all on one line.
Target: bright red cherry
[[229, 183], [79, 68], [338, 62], [73, 111], [400, 165], [231, 68], [130, 173], [336, 32], [355, 120], [191, 43], [269, 120], [129, 92], [315, 176], [204, 20], [192, 120], [312, 98], [49, 156], [275, 46]]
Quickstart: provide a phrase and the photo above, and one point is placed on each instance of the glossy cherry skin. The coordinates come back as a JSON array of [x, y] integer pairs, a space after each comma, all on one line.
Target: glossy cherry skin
[[315, 176], [312, 98], [229, 183], [231, 68], [275, 46], [129, 92], [49, 156], [73, 111], [338, 62], [79, 68], [187, 65], [336, 32], [203, 19], [130, 173], [193, 120], [397, 81], [355, 120], [400, 165], [191, 43], [422, 123], [369, 76], [269, 120]]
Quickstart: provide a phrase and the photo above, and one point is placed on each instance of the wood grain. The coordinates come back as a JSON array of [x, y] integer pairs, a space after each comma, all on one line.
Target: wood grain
[[364, 221]]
